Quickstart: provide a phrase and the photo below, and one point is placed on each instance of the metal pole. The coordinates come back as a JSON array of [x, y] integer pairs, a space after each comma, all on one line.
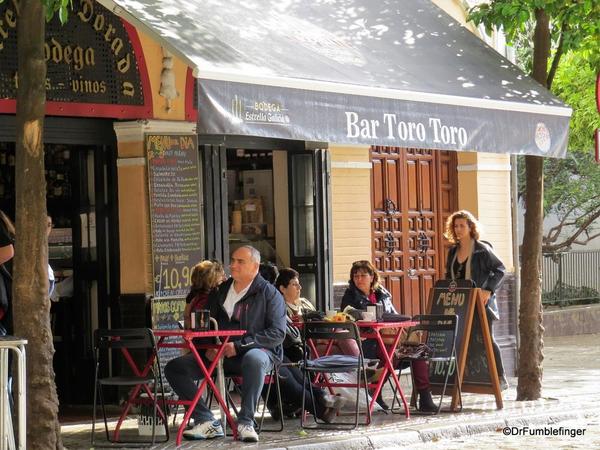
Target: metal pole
[[7, 439], [514, 193], [220, 379]]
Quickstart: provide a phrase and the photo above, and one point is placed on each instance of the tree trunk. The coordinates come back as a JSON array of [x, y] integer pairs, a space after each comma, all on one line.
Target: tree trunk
[[530, 314], [31, 304], [531, 331]]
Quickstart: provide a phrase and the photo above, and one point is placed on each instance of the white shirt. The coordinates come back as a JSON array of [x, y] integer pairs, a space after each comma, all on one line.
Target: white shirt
[[232, 298]]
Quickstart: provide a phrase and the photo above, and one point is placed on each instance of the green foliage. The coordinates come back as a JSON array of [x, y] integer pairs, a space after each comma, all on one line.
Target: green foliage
[[575, 84], [57, 6], [572, 185], [577, 21]]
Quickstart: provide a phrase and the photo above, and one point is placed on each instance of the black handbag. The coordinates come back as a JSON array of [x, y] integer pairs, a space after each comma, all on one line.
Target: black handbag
[[413, 350], [292, 343]]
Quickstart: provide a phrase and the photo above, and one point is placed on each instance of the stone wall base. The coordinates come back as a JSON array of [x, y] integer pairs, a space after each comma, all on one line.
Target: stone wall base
[[572, 321]]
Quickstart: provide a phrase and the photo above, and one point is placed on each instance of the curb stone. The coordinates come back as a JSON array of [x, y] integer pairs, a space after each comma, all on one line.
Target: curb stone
[[409, 437]]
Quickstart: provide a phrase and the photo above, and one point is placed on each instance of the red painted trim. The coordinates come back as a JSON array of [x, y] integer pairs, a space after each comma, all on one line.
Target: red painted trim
[[191, 110], [143, 69], [8, 106], [84, 110], [144, 111]]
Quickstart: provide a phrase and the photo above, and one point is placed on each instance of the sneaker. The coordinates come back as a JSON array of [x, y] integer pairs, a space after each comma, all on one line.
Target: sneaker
[[206, 430], [246, 433]]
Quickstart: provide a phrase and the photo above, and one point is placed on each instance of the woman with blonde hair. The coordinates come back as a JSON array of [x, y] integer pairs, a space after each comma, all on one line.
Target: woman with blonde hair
[[473, 259], [206, 276]]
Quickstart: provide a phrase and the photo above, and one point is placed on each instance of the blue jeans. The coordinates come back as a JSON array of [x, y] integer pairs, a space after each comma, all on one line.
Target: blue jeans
[[182, 374]]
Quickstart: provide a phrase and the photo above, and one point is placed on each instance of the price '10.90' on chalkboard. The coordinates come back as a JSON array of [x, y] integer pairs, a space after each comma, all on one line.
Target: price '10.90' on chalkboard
[[176, 280]]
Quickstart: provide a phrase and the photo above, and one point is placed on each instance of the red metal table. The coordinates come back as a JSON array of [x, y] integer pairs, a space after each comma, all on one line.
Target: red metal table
[[373, 330], [186, 338]]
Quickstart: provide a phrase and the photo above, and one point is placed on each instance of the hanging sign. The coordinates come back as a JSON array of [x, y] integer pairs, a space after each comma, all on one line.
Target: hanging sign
[[94, 59]]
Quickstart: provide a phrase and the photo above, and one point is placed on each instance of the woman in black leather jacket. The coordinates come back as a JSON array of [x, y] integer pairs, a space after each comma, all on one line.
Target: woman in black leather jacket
[[473, 259]]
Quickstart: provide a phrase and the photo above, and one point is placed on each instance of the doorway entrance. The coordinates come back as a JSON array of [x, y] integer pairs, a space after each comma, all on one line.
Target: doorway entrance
[[413, 192], [82, 245], [273, 196]]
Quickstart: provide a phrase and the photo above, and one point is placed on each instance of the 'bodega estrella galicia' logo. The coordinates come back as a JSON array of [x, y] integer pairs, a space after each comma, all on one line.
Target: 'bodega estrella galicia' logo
[[259, 112], [542, 137]]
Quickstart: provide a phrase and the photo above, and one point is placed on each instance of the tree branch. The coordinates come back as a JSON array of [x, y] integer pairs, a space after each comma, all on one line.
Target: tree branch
[[573, 239], [590, 238], [558, 54], [555, 231]]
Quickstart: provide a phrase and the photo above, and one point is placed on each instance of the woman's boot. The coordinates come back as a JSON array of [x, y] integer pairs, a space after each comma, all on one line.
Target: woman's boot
[[426, 402]]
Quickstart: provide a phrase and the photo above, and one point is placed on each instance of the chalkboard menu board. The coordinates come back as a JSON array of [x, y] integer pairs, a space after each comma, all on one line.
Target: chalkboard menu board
[[454, 298], [166, 314], [176, 220]]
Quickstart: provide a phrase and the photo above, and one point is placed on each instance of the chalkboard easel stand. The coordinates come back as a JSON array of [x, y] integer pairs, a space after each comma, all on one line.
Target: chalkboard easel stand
[[460, 298], [476, 302]]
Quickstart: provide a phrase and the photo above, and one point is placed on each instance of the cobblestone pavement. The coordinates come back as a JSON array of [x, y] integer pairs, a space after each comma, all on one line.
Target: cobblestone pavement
[[571, 398]]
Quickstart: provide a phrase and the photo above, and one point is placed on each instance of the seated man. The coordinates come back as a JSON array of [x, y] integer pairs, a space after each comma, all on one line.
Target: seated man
[[246, 301]]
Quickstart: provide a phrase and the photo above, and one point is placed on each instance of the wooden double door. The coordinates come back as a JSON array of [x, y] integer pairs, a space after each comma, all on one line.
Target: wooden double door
[[413, 192]]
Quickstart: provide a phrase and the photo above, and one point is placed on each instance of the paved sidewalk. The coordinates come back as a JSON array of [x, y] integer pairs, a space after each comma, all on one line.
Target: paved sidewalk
[[571, 374]]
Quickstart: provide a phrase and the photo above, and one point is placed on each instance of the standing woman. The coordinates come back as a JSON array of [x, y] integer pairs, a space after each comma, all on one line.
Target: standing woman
[[7, 251], [472, 259]]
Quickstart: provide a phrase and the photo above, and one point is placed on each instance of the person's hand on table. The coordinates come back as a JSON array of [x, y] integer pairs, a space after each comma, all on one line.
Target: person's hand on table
[[229, 350]]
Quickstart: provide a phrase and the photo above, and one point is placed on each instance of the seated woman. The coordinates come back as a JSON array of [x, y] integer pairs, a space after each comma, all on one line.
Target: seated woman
[[206, 276], [365, 290], [288, 283], [290, 377]]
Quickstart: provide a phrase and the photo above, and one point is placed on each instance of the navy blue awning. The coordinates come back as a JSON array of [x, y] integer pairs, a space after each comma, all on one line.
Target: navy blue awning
[[395, 72]]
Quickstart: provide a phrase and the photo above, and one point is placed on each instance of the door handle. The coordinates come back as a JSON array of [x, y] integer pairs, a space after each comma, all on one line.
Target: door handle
[[390, 207], [422, 242], [390, 243]]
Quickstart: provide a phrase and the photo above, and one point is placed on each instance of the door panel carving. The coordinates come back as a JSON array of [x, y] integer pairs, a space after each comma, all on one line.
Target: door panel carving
[[413, 192]]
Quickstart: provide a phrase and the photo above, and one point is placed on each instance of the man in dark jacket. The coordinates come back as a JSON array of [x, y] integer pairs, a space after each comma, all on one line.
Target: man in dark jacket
[[246, 301]]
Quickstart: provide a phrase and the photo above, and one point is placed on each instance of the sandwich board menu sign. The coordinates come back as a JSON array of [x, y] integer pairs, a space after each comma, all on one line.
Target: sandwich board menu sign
[[475, 367]]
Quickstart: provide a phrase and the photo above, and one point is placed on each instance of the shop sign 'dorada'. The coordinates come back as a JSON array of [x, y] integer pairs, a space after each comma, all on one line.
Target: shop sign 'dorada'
[[90, 59]]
